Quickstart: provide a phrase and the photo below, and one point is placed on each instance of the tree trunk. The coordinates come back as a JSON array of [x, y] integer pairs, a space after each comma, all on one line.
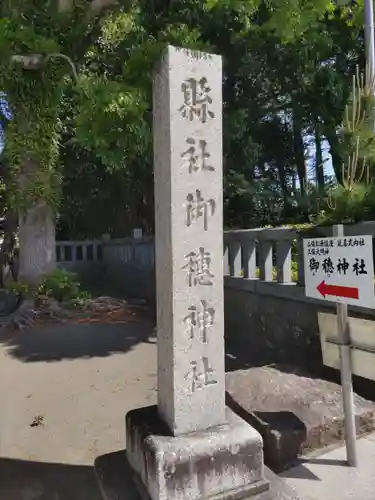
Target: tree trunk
[[37, 243], [8, 260], [299, 154], [319, 168], [282, 178], [335, 151], [36, 229]]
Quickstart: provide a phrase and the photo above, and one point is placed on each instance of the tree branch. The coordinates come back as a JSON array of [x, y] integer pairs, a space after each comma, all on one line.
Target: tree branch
[[96, 7], [67, 58], [65, 5], [37, 61], [88, 40], [33, 61], [91, 19]]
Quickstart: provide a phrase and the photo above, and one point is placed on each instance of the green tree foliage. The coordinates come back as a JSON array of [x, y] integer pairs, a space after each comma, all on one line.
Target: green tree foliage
[[354, 198], [42, 44], [288, 68], [287, 77]]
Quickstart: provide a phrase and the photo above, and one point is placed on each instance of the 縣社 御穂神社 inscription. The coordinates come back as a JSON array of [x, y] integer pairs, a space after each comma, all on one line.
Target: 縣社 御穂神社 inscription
[[197, 100], [196, 157], [200, 374], [189, 230], [188, 180], [197, 207], [200, 319], [198, 268]]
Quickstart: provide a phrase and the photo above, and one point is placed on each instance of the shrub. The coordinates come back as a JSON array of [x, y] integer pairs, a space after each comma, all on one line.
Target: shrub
[[60, 285]]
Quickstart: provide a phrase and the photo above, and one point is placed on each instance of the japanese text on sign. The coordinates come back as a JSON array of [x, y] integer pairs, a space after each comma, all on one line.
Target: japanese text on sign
[[321, 247], [342, 266], [340, 269]]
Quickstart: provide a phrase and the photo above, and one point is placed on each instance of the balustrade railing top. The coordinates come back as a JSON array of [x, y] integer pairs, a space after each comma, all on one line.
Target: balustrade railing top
[[264, 254], [269, 234], [78, 251], [138, 251], [270, 255]]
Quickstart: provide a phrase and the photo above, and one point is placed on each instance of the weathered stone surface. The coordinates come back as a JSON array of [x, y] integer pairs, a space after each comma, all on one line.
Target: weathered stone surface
[[187, 128], [276, 329], [189, 446], [224, 462], [294, 413], [115, 478]]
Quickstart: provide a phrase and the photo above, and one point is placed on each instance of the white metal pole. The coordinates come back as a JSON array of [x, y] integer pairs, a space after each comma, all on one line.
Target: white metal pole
[[346, 373], [369, 39]]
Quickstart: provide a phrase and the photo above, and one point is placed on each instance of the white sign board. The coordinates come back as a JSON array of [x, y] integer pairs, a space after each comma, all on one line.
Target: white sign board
[[340, 270]]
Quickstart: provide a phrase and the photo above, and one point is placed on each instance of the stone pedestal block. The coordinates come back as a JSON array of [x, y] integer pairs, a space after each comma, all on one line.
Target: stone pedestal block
[[223, 462]]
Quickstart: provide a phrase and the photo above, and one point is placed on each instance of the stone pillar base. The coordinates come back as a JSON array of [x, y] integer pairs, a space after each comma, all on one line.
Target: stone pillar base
[[224, 462]]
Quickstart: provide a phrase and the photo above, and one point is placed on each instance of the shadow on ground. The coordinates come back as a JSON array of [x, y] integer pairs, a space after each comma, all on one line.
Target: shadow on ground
[[242, 356], [72, 341], [116, 476], [283, 433], [23, 480], [299, 469]]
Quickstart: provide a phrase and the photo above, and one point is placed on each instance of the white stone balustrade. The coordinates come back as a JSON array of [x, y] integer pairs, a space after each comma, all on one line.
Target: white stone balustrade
[[258, 260], [77, 251], [255, 253]]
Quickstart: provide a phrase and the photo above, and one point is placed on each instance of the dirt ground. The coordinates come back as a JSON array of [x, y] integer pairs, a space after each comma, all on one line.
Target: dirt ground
[[65, 390]]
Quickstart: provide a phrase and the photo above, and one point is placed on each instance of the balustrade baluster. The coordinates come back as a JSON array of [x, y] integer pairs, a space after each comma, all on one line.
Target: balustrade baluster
[[249, 259], [300, 263], [265, 260], [226, 259], [284, 261], [235, 259]]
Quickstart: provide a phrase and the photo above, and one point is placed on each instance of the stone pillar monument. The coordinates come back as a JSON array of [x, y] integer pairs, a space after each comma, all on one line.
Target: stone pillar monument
[[189, 241], [191, 446]]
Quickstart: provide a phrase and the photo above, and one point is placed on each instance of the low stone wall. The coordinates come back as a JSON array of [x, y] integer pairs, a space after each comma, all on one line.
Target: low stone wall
[[131, 281], [266, 311], [269, 322], [129, 267], [271, 329], [122, 267]]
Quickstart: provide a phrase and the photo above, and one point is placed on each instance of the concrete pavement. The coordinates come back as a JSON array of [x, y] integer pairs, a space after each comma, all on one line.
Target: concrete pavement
[[326, 476]]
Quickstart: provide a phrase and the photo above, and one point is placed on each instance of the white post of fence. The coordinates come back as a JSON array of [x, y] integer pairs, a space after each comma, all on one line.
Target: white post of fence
[[74, 253], [137, 233], [346, 372], [84, 252]]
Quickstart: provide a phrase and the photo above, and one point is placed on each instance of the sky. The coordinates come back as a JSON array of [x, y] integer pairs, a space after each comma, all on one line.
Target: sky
[[328, 169]]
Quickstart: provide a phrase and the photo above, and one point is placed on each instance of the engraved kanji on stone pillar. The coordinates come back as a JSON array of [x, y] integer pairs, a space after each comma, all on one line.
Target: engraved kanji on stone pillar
[[189, 240]]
